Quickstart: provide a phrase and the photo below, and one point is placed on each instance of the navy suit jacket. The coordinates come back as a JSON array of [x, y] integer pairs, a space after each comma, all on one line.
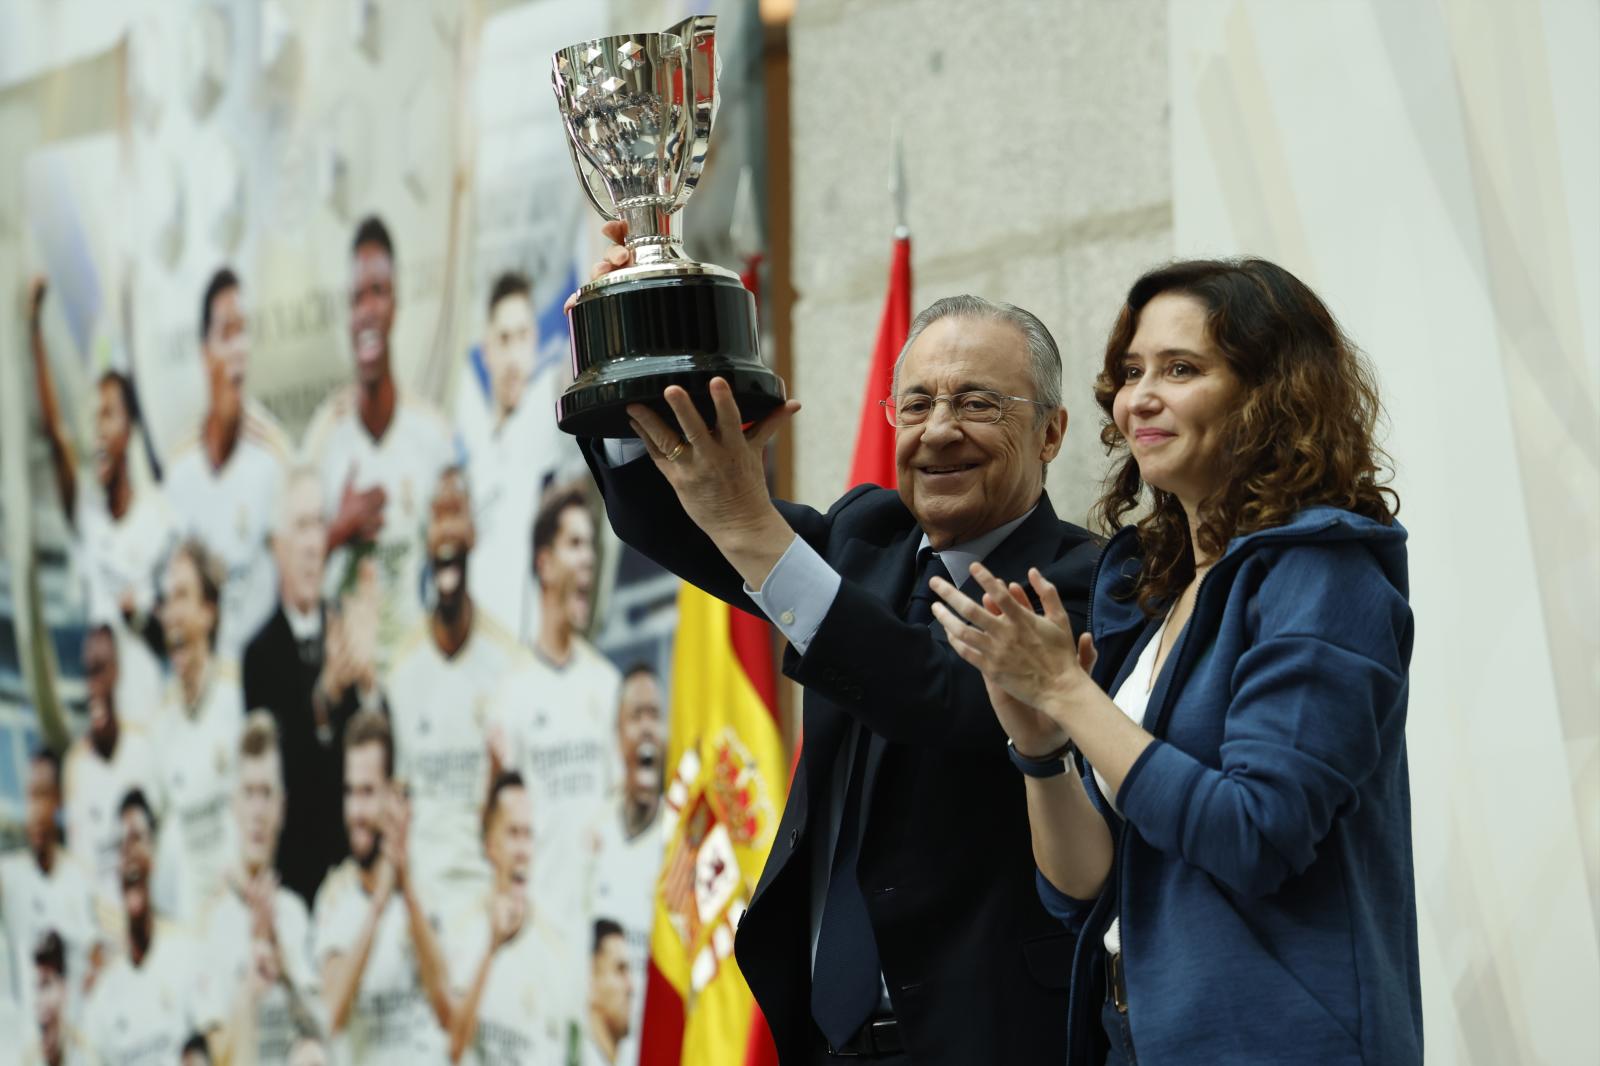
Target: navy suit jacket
[[977, 971]]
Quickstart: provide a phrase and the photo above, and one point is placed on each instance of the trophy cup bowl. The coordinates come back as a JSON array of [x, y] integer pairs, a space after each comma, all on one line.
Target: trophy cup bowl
[[638, 110]]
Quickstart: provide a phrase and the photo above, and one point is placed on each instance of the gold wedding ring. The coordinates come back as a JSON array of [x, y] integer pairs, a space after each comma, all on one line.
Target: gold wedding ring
[[677, 450]]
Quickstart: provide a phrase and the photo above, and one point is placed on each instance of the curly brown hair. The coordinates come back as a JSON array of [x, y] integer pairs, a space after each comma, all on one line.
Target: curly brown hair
[[1301, 435]]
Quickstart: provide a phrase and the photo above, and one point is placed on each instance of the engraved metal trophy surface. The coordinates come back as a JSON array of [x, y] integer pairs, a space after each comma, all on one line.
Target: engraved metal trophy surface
[[638, 110]]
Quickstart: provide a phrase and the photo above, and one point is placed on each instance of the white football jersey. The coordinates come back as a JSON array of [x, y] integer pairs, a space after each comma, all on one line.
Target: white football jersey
[[197, 757], [33, 903], [141, 1015], [534, 1000], [125, 556], [508, 469], [233, 510], [626, 870], [390, 1021], [281, 1017], [558, 722], [92, 789], [406, 463], [439, 711]]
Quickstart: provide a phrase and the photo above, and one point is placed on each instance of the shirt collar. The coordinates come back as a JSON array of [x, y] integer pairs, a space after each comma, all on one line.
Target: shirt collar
[[958, 558], [305, 625]]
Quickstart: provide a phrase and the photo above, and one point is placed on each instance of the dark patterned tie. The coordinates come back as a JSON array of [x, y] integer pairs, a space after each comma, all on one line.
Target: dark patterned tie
[[845, 979]]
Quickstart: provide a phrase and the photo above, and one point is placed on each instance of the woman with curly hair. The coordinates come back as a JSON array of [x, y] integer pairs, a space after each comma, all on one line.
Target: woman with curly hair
[[1234, 848]]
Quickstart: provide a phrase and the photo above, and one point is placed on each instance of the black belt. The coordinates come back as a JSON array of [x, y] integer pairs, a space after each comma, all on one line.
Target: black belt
[[878, 1037]]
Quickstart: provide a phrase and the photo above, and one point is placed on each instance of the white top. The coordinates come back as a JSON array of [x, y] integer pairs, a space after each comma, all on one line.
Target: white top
[[141, 1015], [406, 462], [233, 511], [508, 470], [91, 791], [559, 724], [626, 870], [125, 556], [122, 555], [33, 903], [534, 999], [390, 1020], [1132, 697], [226, 927], [197, 756], [439, 709]]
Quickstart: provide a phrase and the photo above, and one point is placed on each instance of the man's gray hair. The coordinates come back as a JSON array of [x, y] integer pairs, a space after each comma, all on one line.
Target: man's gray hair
[[1044, 358]]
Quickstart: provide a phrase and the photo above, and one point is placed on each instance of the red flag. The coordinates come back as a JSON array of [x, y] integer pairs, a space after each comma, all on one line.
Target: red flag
[[874, 461]]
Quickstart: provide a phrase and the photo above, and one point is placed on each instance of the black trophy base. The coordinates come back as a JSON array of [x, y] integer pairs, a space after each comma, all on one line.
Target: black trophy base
[[632, 339]]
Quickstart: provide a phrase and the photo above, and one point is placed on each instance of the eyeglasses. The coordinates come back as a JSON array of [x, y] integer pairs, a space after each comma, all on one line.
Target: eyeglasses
[[980, 406]]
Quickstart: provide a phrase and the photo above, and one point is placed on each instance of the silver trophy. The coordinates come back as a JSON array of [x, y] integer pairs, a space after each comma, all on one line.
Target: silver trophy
[[638, 110]]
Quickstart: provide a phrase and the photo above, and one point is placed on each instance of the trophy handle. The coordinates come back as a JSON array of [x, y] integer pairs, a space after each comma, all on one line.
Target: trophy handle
[[586, 176], [701, 63]]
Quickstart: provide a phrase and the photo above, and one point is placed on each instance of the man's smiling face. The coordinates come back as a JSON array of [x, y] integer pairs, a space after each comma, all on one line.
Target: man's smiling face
[[962, 479]]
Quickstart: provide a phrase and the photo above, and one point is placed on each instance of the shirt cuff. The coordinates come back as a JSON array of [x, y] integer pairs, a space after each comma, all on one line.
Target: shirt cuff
[[797, 593], [621, 452]]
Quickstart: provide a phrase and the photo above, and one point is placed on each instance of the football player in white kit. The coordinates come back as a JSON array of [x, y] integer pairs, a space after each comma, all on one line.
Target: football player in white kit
[[223, 482], [197, 733], [611, 994], [379, 451], [385, 986], [553, 718], [45, 889], [103, 765], [257, 933], [439, 688], [154, 992], [55, 1040], [506, 424], [519, 999], [631, 838], [122, 535]]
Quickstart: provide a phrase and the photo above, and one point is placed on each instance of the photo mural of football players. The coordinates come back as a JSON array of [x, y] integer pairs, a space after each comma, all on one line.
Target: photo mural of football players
[[554, 717], [611, 994], [519, 991], [385, 986], [631, 838], [44, 889], [154, 992], [123, 533], [378, 449], [102, 765], [223, 480], [196, 734], [439, 690], [312, 666], [258, 933]]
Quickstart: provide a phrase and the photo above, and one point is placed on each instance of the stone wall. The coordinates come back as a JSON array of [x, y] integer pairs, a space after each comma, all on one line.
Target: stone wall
[[1037, 157]]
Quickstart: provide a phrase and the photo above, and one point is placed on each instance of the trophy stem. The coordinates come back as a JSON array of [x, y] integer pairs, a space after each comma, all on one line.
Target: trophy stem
[[653, 231]]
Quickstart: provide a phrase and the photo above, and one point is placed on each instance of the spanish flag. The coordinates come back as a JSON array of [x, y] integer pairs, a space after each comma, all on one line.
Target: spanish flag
[[725, 753]]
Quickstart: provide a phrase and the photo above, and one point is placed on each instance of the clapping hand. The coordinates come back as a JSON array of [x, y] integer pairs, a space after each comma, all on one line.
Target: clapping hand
[[506, 914], [1029, 657]]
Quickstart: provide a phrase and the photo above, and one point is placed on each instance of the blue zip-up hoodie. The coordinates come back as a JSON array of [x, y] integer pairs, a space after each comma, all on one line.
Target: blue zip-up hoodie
[[1263, 873]]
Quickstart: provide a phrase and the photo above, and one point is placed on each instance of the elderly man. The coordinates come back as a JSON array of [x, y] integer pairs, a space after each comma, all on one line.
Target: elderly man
[[897, 916], [312, 666]]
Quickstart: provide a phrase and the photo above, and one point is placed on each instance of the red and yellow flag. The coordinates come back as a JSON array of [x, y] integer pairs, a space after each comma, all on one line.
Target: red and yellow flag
[[723, 801]]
